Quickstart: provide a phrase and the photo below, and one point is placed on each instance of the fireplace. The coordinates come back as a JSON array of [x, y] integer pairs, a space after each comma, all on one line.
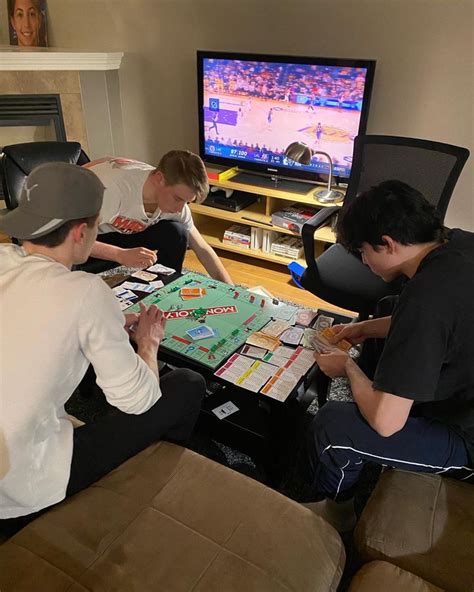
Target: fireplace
[[31, 118]]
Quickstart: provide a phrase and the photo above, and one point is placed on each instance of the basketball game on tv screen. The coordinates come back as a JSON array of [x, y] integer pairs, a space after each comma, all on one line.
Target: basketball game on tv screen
[[252, 110]]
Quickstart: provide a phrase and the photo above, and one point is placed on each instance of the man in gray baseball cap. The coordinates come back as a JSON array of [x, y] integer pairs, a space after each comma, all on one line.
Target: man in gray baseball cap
[[57, 322], [54, 193]]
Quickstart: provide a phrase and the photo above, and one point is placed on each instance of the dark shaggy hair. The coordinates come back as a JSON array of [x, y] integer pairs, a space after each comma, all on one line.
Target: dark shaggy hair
[[392, 208]]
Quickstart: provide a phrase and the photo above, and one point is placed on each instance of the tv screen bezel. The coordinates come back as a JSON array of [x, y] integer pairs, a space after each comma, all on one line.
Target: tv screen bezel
[[283, 172]]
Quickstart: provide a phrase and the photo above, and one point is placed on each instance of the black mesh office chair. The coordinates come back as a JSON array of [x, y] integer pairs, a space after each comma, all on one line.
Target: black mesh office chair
[[432, 168], [18, 160]]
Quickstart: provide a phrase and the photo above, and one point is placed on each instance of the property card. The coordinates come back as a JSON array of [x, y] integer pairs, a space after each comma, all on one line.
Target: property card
[[124, 304], [235, 366], [157, 284], [256, 376], [144, 275], [124, 294], [225, 410], [281, 385], [138, 287], [158, 268]]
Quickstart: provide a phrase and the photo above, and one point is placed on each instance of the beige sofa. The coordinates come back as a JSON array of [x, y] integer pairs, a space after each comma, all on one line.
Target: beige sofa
[[171, 520], [423, 524]]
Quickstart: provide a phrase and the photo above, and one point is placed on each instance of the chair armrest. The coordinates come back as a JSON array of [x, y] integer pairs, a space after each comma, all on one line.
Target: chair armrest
[[310, 227]]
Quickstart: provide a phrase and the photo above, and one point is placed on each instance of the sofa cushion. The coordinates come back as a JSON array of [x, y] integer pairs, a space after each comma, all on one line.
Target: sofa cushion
[[424, 524], [380, 575], [169, 519]]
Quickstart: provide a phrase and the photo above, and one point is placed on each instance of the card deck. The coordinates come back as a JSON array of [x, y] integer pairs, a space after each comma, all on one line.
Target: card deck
[[201, 332]]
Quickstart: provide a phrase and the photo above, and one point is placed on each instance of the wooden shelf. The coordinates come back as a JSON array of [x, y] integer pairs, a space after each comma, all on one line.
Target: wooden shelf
[[259, 219], [212, 232], [307, 198], [212, 222]]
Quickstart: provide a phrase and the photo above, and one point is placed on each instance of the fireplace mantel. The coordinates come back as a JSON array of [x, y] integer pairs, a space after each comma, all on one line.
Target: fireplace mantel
[[48, 58]]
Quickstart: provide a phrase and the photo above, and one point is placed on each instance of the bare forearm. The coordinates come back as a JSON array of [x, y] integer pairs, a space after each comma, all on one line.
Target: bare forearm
[[361, 386], [214, 266], [377, 328], [107, 252], [149, 354]]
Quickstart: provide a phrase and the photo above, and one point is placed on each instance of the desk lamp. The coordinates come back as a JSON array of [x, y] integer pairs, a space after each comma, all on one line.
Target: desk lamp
[[302, 153]]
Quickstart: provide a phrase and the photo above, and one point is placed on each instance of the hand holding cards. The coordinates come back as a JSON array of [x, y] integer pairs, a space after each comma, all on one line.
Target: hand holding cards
[[321, 341]]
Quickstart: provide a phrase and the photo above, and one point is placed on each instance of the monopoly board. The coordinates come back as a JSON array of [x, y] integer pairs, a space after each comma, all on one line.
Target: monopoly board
[[207, 320]]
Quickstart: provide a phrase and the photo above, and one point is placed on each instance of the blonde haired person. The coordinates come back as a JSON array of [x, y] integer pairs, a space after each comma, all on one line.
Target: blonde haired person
[[146, 218]]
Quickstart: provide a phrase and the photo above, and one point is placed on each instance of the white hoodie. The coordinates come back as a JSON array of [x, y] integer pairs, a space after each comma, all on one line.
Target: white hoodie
[[53, 323]]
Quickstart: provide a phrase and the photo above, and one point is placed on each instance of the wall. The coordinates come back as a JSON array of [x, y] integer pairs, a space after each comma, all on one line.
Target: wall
[[424, 52]]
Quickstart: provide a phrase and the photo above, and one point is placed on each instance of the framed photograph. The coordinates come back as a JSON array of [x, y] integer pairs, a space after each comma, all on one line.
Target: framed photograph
[[27, 23]]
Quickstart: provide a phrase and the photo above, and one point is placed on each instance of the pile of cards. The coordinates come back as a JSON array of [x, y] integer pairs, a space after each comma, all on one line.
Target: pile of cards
[[190, 293], [201, 332]]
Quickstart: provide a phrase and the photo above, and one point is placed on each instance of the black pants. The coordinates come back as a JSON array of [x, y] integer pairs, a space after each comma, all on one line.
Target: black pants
[[100, 447], [168, 237], [340, 441]]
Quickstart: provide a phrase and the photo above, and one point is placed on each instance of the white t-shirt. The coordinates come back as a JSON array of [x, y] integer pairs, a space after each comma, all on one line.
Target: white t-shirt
[[122, 210], [53, 323]]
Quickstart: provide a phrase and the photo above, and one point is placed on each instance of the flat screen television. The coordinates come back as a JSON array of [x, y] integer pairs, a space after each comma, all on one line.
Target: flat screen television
[[251, 107]]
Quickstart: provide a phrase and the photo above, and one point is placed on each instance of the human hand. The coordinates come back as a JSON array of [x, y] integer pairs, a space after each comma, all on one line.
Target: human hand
[[130, 320], [150, 328], [140, 257], [332, 363], [353, 332]]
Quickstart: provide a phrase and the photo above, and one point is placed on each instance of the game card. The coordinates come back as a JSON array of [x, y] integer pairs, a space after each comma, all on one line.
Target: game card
[[189, 293], [201, 332], [225, 410], [125, 304], [124, 294], [144, 275], [138, 287], [158, 268], [157, 284]]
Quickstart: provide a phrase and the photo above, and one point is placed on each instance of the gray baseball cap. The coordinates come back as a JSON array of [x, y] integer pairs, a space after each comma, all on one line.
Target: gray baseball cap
[[53, 194]]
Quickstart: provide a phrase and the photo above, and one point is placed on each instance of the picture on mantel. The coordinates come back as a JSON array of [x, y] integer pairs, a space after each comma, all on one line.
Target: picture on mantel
[[27, 23]]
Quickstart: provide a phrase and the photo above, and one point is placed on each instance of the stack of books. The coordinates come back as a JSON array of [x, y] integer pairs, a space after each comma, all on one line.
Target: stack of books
[[238, 235], [268, 237], [256, 238], [287, 246], [293, 217]]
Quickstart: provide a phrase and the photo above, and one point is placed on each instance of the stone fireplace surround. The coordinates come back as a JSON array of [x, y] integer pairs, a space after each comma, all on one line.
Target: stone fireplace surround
[[87, 84]]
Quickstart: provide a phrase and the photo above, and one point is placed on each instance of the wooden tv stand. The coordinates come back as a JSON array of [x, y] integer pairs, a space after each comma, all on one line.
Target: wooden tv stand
[[212, 222]]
